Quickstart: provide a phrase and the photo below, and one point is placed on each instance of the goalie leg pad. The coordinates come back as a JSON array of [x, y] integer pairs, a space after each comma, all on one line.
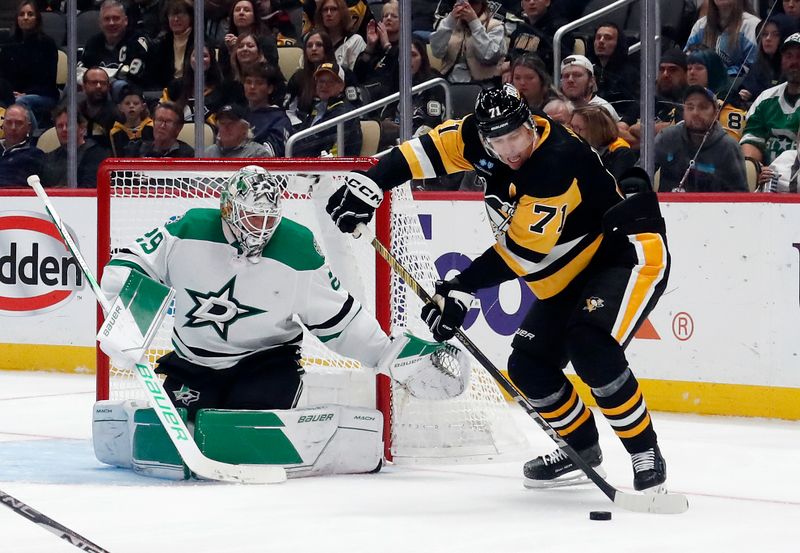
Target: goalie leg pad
[[153, 453], [112, 431], [328, 439]]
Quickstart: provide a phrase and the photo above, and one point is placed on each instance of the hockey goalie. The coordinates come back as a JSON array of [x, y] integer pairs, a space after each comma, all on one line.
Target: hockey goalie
[[242, 277]]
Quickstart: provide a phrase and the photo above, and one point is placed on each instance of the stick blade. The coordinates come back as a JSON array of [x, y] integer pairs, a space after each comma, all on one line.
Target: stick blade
[[243, 474], [657, 503]]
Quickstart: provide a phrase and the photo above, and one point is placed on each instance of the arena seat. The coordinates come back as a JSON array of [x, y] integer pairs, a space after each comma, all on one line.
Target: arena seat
[[289, 58], [370, 137]]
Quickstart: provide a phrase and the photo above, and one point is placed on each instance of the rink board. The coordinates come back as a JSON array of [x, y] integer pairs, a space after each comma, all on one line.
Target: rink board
[[722, 339]]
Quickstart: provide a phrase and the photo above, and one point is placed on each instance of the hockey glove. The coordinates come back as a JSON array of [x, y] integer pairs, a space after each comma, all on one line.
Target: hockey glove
[[449, 309], [354, 202]]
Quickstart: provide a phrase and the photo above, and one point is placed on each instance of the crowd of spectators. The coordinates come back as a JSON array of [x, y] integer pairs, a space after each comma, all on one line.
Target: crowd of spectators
[[727, 86]]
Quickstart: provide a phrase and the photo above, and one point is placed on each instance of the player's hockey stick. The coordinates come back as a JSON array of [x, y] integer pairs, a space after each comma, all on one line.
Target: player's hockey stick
[[666, 503], [40, 519], [176, 429]]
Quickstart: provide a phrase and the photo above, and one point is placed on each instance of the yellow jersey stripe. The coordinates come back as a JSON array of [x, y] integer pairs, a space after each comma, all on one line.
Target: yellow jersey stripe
[[636, 430], [564, 408], [555, 283], [641, 285], [574, 426], [627, 406], [414, 163]]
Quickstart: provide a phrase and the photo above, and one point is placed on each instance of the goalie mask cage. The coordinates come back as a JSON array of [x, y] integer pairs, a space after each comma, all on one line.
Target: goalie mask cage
[[137, 195]]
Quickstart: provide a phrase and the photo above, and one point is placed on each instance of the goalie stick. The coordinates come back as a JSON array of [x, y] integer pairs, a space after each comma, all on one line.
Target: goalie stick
[[173, 424], [660, 503], [40, 519]]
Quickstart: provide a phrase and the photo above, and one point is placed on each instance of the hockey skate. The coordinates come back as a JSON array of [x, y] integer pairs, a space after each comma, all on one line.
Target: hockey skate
[[649, 471], [555, 469]]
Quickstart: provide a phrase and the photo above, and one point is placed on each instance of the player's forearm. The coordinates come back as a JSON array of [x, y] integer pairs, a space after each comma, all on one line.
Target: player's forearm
[[392, 170], [486, 271]]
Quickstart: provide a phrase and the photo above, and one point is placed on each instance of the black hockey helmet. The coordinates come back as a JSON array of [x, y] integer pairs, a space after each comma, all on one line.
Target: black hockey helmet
[[499, 111]]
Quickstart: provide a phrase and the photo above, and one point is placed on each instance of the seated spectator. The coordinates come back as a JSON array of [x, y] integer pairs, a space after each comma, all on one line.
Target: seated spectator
[[234, 136], [792, 9], [90, 154], [167, 125], [278, 22], [427, 107], [217, 93], [19, 158], [470, 43], [171, 51], [534, 34], [271, 126], [559, 111], [100, 112], [329, 77], [699, 144], [377, 67], [579, 87], [145, 17], [595, 126], [358, 16], [136, 124], [244, 18], [247, 55], [302, 88], [119, 51], [766, 71], [530, 77], [334, 17], [670, 89], [782, 175], [705, 68], [730, 31], [771, 124], [617, 76], [29, 63]]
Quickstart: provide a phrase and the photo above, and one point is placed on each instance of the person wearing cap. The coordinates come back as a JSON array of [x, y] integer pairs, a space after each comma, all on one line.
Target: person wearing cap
[[579, 87], [699, 142], [772, 119], [329, 81], [167, 125], [470, 43], [234, 136], [705, 68], [670, 89], [730, 31]]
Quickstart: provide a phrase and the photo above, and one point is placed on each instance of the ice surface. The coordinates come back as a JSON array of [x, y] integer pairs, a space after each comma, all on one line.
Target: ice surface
[[741, 476]]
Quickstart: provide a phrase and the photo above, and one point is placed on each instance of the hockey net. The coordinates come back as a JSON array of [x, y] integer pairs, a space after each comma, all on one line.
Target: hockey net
[[137, 195]]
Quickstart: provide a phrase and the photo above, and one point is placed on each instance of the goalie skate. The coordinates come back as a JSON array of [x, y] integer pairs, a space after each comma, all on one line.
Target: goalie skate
[[555, 470]]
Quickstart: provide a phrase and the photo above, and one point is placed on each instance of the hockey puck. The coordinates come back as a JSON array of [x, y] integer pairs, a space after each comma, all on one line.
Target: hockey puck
[[599, 515]]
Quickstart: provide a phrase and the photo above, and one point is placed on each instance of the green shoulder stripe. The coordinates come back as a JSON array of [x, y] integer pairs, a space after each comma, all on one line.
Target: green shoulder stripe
[[198, 224], [294, 245]]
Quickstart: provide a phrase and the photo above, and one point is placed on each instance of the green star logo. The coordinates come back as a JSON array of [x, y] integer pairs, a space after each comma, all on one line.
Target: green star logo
[[219, 310]]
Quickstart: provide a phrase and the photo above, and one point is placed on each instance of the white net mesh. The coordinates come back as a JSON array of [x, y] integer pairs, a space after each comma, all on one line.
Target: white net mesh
[[475, 426]]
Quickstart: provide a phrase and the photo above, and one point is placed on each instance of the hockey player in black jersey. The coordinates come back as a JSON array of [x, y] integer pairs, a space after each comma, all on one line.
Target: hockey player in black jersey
[[597, 263]]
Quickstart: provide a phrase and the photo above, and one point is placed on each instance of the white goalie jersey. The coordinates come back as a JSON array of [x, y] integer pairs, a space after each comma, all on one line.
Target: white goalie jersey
[[227, 307]]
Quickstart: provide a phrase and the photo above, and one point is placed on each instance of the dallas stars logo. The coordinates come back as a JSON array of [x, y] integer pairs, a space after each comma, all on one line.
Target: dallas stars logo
[[186, 395], [219, 310]]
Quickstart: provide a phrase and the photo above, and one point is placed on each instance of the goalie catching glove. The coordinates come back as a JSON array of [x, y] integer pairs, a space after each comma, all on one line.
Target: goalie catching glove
[[428, 370], [354, 202], [449, 309]]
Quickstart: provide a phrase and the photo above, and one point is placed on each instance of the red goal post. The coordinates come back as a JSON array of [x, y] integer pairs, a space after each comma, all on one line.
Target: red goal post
[[136, 195]]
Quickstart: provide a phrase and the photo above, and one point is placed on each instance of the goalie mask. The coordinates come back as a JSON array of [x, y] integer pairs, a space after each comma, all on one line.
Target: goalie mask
[[250, 204], [500, 112]]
